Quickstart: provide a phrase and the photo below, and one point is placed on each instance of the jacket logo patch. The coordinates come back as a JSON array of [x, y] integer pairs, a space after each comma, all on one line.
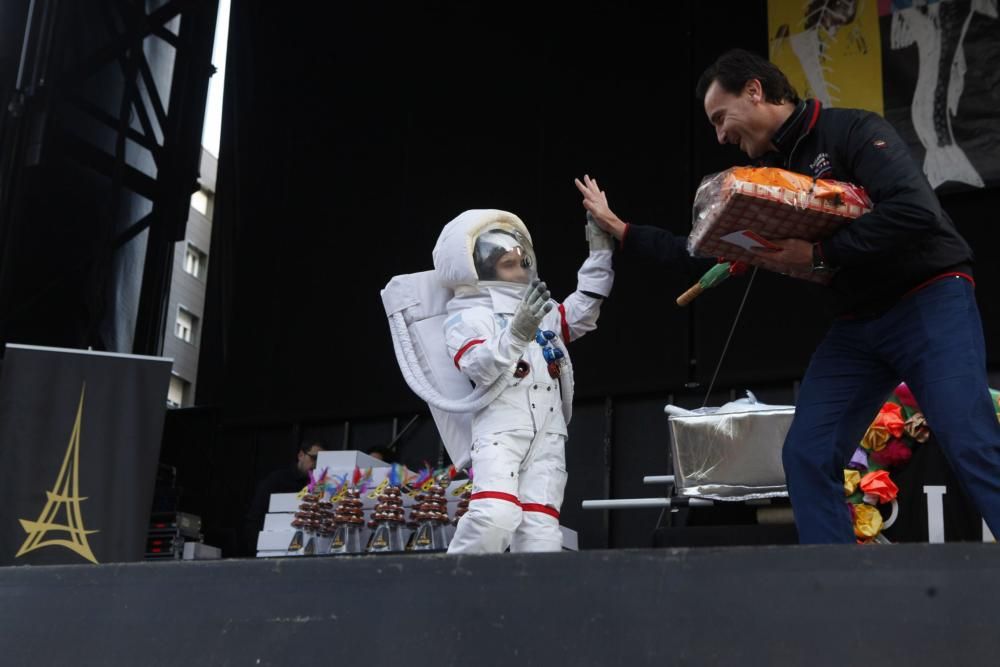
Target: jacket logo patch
[[879, 143], [821, 165]]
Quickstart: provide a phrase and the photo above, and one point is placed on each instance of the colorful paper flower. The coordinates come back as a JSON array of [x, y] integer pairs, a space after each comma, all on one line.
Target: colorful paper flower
[[879, 485], [860, 459], [875, 439], [896, 452], [889, 422], [905, 397], [916, 427], [890, 417], [852, 478], [867, 521]]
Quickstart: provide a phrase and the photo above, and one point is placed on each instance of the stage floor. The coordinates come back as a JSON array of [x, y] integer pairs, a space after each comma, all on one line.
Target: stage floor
[[782, 605]]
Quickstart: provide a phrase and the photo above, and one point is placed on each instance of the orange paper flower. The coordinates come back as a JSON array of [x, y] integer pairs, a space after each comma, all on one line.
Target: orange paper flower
[[867, 521], [879, 485], [889, 422], [890, 418]]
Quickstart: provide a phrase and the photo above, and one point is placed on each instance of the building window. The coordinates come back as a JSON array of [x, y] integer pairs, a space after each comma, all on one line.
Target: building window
[[200, 202], [194, 261], [185, 326], [177, 393]]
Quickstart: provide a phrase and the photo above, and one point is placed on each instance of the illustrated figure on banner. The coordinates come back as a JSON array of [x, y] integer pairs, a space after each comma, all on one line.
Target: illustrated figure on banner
[[938, 30], [823, 19]]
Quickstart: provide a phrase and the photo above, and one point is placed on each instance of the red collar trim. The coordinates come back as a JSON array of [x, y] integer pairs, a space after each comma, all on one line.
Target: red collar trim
[[815, 117]]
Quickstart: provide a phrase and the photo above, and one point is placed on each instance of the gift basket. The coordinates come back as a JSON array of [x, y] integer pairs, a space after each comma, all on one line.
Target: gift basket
[[745, 207]]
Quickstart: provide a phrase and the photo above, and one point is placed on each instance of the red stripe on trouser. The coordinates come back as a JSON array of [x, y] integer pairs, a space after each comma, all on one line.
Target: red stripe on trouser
[[955, 274], [495, 495], [544, 509]]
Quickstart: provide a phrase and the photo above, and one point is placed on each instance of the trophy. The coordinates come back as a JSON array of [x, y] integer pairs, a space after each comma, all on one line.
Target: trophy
[[428, 519], [387, 522], [307, 521], [348, 519], [463, 506]]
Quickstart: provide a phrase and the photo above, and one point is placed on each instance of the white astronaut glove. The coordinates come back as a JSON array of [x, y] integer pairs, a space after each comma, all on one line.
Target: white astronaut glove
[[598, 238], [530, 311]]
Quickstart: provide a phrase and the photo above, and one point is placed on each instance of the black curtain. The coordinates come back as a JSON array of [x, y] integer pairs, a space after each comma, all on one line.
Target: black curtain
[[351, 135]]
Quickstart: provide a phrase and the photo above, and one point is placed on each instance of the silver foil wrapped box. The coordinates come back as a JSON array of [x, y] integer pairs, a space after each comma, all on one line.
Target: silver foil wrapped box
[[730, 456]]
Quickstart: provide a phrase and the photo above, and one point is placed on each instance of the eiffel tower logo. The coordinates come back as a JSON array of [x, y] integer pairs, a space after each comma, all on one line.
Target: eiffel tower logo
[[65, 495]]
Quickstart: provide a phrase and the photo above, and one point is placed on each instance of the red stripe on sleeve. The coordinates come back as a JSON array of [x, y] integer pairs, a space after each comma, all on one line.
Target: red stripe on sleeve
[[621, 243], [562, 322], [465, 347]]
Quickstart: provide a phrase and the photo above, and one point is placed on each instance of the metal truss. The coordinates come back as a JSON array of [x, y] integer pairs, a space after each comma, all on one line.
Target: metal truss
[[119, 87]]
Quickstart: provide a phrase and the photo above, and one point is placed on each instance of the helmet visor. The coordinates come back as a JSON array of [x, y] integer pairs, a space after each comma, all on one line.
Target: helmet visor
[[504, 254]]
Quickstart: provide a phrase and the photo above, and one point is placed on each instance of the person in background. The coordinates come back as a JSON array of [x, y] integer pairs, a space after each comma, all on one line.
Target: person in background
[[287, 479]]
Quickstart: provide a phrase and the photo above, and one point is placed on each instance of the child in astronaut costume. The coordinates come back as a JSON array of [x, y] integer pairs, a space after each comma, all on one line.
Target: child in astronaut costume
[[502, 326]]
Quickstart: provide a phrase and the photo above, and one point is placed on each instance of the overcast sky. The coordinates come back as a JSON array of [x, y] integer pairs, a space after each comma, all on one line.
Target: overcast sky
[[213, 109]]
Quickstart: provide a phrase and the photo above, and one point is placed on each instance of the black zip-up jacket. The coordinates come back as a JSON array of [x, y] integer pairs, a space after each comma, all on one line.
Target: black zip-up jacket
[[906, 239]]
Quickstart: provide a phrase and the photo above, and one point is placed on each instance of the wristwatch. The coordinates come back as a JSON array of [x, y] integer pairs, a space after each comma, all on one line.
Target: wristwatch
[[819, 264]]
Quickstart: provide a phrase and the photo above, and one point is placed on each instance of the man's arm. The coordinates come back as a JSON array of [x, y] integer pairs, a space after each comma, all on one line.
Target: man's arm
[[657, 245], [905, 206], [648, 243]]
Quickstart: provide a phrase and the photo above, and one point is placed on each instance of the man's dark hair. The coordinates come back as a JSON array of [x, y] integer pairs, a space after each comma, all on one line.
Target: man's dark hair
[[306, 445], [734, 68], [388, 453]]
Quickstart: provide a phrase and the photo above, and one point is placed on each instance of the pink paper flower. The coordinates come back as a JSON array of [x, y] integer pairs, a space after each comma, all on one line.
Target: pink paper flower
[[905, 396], [895, 453]]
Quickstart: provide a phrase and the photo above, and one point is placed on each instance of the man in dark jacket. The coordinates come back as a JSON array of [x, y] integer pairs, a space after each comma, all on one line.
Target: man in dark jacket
[[902, 283], [287, 479]]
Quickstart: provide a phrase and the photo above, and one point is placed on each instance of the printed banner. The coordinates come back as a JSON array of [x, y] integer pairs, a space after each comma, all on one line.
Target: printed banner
[[928, 66], [829, 50], [79, 442]]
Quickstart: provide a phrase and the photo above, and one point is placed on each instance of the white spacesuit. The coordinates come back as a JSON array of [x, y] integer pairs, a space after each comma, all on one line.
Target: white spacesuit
[[502, 327]]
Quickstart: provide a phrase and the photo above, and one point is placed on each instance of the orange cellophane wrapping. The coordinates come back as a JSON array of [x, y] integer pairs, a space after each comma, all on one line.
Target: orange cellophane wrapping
[[774, 203]]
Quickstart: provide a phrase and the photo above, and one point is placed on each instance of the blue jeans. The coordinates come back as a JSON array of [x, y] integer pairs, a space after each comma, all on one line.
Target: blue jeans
[[933, 341]]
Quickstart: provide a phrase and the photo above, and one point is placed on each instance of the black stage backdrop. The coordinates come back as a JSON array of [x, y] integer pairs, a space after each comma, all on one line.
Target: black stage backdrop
[[352, 134]]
